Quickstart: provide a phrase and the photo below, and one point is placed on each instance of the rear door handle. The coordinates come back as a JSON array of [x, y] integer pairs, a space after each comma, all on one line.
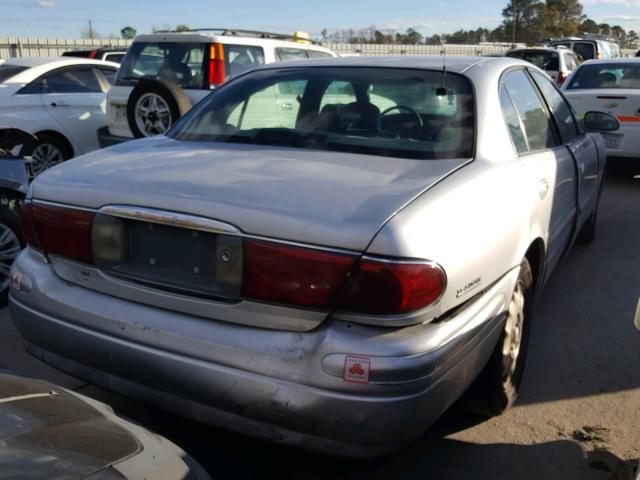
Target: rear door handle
[[59, 104]]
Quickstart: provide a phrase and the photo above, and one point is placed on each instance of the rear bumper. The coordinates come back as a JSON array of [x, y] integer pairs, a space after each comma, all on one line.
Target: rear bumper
[[292, 392], [105, 139]]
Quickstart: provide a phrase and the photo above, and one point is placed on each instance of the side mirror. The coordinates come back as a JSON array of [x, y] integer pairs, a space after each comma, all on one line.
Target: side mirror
[[600, 122]]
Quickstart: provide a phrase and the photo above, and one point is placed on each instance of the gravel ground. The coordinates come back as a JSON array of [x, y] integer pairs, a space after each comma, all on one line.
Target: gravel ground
[[578, 416]]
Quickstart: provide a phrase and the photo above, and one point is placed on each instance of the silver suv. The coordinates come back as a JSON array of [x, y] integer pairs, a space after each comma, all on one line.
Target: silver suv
[[165, 73]]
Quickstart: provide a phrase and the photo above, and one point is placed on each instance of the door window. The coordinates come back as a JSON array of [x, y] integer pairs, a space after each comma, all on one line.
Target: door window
[[513, 121], [559, 107], [535, 119], [73, 80]]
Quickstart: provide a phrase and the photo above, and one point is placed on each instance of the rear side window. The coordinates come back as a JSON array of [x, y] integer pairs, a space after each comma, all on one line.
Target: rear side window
[[73, 80], [109, 74], [317, 54], [537, 124], [513, 121], [241, 58], [8, 71], [585, 50], [291, 54], [182, 63], [559, 106]]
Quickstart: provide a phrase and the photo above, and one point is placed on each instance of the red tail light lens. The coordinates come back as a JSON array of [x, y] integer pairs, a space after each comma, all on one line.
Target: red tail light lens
[[61, 231], [561, 77], [383, 288], [28, 228], [293, 275], [216, 65], [92, 54]]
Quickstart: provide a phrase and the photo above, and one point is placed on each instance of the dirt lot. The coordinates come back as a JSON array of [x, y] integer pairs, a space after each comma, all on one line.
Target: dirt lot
[[578, 416]]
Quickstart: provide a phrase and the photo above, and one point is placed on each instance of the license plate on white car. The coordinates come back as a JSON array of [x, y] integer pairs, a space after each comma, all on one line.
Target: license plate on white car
[[613, 142]]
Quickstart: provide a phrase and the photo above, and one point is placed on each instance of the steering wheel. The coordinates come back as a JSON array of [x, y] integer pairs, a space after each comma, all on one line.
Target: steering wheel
[[419, 122]]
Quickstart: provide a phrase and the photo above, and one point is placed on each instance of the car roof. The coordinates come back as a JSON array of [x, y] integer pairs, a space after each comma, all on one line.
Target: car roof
[[541, 49], [617, 61], [40, 65], [454, 64], [213, 36]]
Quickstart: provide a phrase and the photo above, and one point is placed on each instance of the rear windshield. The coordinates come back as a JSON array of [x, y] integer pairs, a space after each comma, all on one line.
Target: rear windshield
[[540, 58], [609, 75], [182, 63], [378, 111], [8, 71]]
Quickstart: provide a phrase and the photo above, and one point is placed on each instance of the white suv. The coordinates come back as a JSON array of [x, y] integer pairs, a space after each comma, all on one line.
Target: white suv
[[165, 73]]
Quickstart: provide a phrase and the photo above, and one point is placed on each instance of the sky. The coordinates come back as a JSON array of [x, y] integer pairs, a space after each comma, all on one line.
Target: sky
[[67, 18]]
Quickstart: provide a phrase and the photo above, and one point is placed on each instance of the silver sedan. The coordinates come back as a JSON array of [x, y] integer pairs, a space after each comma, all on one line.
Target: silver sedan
[[326, 254]]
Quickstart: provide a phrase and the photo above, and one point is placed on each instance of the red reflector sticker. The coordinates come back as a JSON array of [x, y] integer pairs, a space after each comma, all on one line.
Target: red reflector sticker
[[356, 369]]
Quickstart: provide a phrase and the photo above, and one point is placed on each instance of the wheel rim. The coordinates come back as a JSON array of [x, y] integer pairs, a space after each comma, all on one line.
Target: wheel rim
[[152, 115], [9, 250], [513, 331], [44, 156]]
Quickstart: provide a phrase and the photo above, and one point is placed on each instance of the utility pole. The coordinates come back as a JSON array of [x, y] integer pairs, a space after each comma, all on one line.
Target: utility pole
[[514, 20], [90, 30]]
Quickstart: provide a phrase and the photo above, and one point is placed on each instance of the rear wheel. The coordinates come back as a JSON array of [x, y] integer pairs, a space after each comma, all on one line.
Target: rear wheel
[[496, 388], [47, 151], [11, 242]]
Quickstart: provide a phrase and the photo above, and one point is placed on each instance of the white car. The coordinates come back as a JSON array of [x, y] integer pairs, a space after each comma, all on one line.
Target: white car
[[165, 73], [611, 86], [60, 100], [558, 62]]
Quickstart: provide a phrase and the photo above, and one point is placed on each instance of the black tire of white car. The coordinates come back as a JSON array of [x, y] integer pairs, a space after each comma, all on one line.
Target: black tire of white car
[[10, 220], [46, 152], [497, 386], [166, 94]]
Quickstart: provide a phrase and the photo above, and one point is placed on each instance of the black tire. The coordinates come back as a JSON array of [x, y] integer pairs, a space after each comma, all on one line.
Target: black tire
[[172, 95], [496, 388], [43, 141], [11, 220]]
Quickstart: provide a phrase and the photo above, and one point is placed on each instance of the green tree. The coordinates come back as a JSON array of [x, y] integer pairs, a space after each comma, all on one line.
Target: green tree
[[128, 32], [182, 28]]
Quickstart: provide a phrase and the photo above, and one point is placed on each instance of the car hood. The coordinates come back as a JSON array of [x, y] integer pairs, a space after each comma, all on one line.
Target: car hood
[[47, 432], [316, 197]]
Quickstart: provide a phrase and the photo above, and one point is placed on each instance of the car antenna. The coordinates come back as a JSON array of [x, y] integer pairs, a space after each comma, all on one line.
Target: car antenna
[[441, 91]]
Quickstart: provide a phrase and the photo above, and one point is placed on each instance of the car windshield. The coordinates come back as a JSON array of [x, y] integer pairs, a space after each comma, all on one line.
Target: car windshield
[[181, 63], [608, 75], [540, 58], [379, 111], [8, 71]]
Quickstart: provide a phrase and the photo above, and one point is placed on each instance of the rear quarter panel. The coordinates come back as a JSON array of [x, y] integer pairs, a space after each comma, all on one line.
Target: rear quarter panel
[[479, 222]]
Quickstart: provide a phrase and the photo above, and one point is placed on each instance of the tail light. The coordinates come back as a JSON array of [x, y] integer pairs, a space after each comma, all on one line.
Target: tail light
[[293, 275], [92, 54], [383, 287], [58, 230], [561, 77], [598, 56], [317, 279], [216, 65]]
